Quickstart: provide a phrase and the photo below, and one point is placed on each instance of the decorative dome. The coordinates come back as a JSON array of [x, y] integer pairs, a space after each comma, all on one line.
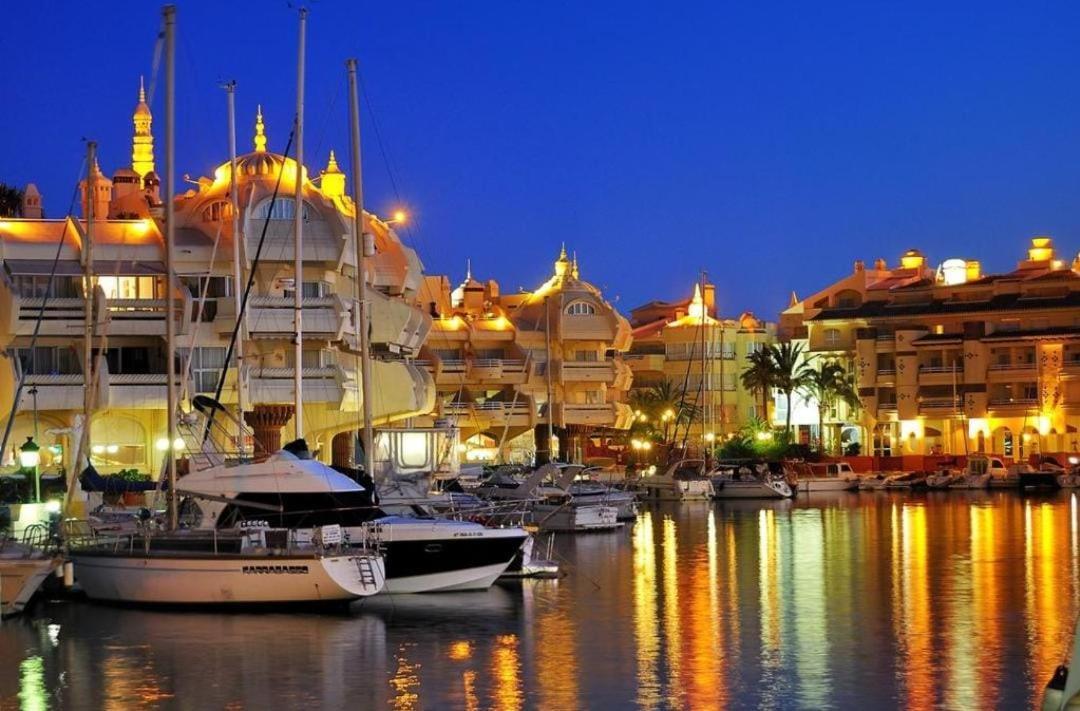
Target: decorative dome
[[142, 109]]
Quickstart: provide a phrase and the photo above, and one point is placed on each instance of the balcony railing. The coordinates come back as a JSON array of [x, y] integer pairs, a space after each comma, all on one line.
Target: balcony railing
[[886, 371], [939, 402], [887, 406], [937, 369], [1019, 401], [1012, 366]]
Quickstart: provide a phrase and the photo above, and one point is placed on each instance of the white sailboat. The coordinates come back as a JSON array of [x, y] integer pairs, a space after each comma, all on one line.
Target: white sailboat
[[683, 480], [248, 565]]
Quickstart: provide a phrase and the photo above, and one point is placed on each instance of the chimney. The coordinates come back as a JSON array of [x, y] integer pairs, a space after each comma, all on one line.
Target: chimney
[[974, 270], [709, 297], [859, 266], [31, 203], [880, 264]]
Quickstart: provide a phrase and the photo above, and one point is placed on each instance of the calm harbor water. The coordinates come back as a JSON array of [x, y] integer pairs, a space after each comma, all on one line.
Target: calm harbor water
[[958, 600]]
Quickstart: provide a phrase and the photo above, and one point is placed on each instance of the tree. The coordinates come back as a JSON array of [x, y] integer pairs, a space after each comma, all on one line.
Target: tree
[[789, 374], [826, 385], [760, 377], [660, 408], [10, 201]]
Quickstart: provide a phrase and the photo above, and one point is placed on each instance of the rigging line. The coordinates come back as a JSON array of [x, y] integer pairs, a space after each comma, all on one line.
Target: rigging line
[[248, 286], [325, 125], [155, 65], [41, 314], [408, 227]]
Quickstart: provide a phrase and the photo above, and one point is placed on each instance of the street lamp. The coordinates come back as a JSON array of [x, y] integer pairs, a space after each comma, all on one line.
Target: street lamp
[[29, 458]]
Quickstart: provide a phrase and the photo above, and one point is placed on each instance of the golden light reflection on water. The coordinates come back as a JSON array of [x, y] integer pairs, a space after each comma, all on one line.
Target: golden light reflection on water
[[769, 589], [920, 670], [811, 652], [984, 659], [1045, 583], [556, 658], [130, 679], [405, 681], [506, 673], [672, 622], [646, 624]]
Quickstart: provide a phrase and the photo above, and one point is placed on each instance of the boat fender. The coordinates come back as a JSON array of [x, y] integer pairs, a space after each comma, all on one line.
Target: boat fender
[[69, 574]]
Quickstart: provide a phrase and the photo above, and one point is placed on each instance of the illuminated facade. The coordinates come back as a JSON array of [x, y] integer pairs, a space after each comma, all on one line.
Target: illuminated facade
[[128, 428], [687, 345], [951, 360], [504, 364]]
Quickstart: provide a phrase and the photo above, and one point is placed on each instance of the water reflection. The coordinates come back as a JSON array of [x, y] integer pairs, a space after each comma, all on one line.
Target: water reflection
[[862, 600]]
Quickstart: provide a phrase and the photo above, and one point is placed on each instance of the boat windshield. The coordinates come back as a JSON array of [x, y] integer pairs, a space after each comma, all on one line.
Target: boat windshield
[[303, 510]]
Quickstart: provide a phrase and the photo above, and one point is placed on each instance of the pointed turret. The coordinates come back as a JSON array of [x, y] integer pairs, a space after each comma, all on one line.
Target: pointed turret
[[260, 131], [333, 180], [562, 264], [574, 271], [142, 143]]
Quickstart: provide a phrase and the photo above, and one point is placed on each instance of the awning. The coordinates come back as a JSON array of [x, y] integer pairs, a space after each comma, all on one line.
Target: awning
[[71, 267]]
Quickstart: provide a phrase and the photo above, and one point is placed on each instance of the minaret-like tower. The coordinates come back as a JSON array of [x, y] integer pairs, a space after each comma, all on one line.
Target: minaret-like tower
[[142, 144], [333, 180], [260, 131]]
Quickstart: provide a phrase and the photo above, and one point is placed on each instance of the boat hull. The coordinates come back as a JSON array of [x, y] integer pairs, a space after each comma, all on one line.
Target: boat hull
[[19, 580], [679, 490], [421, 559], [749, 490], [568, 517], [226, 580], [827, 484]]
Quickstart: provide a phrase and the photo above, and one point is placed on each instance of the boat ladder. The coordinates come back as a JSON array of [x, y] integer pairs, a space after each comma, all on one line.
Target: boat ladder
[[367, 572]]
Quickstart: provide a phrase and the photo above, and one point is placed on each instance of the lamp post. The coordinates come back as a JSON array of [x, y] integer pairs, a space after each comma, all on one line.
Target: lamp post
[[29, 458]]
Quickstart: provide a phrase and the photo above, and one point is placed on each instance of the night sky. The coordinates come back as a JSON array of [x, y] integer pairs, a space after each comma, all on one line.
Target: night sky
[[768, 143]]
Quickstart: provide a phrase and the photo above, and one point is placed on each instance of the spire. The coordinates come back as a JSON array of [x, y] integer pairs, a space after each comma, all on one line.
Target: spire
[[696, 310], [260, 131], [333, 180], [142, 143], [562, 264], [794, 300], [574, 267], [468, 268]]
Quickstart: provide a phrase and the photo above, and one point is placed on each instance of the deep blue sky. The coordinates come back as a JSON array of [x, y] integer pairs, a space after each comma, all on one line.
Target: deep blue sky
[[770, 143]]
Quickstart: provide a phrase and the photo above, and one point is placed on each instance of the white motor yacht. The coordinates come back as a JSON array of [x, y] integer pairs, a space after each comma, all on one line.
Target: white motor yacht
[[741, 482], [833, 476], [423, 553], [683, 480], [551, 506], [585, 489]]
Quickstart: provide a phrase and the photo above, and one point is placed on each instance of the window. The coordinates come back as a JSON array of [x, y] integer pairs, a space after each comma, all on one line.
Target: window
[[751, 412], [832, 337], [729, 381], [728, 351], [594, 397], [585, 356], [217, 211], [131, 287], [1029, 391], [311, 289], [49, 360], [133, 360], [37, 286], [282, 209], [752, 348], [206, 366], [580, 308]]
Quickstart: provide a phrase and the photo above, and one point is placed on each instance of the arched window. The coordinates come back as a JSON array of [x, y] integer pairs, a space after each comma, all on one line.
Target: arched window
[[217, 211], [581, 308], [283, 209]]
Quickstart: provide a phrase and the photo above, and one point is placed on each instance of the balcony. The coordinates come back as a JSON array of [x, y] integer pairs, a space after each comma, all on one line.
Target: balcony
[[586, 413], [887, 406], [645, 362], [587, 371], [272, 317], [276, 385], [1005, 402], [998, 367], [53, 392], [940, 403], [146, 391], [498, 370]]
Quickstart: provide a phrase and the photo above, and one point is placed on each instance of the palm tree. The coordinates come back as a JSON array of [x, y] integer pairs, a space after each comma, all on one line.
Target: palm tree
[[10, 201], [826, 385], [790, 372], [760, 377]]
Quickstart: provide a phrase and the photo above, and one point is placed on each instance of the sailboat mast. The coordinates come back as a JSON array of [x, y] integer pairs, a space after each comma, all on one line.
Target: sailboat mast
[[88, 305], [706, 372], [169, 13], [364, 250], [547, 378], [234, 200], [298, 230]]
